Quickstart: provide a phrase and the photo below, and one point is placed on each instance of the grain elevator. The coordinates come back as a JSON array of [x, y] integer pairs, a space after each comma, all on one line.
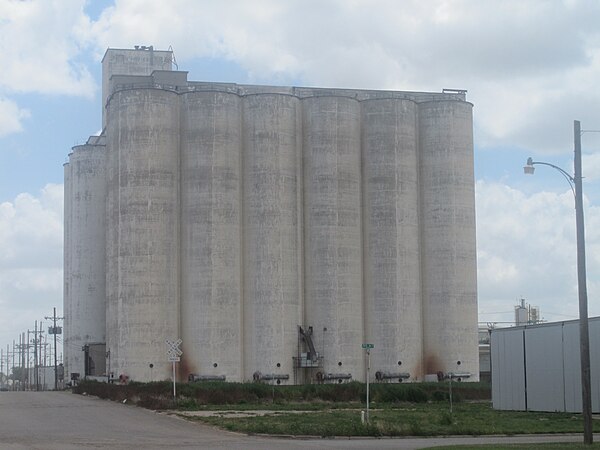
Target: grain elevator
[[274, 230]]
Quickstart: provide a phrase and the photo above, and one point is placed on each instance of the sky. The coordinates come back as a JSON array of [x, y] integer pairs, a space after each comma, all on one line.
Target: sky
[[530, 69]]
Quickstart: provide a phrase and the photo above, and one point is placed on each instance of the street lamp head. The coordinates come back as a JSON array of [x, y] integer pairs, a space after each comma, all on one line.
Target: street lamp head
[[528, 168]]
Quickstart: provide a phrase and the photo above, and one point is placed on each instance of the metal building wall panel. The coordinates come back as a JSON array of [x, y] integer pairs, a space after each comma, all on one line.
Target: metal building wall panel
[[544, 368], [594, 328], [572, 367], [508, 370]]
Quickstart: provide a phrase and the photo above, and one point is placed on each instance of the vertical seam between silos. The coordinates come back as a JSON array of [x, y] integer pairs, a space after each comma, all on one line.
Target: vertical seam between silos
[[299, 149], [366, 336], [241, 228], [179, 214], [418, 171]]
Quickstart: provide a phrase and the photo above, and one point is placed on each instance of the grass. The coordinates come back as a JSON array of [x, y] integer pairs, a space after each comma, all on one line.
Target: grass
[[429, 419], [157, 395], [334, 410]]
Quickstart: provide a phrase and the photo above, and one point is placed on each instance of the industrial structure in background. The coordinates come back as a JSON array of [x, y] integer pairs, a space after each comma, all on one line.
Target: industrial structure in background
[[274, 230], [525, 314]]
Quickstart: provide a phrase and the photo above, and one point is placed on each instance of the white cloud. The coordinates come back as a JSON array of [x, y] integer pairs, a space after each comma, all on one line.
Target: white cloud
[[591, 166], [31, 237], [39, 47], [526, 247], [11, 117], [528, 81]]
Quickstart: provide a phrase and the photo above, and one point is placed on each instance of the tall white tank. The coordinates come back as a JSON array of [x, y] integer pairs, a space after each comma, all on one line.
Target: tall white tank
[[391, 232], [143, 244], [86, 299], [448, 238], [271, 240], [333, 231], [67, 297], [211, 266]]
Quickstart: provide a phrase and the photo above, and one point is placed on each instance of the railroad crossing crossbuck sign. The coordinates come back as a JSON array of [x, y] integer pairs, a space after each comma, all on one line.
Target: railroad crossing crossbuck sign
[[173, 350]]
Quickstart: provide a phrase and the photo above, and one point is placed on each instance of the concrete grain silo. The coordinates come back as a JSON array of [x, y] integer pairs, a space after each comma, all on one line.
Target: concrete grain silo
[[85, 324], [143, 139], [211, 265], [68, 351], [448, 237], [275, 230], [333, 231], [272, 215], [392, 263]]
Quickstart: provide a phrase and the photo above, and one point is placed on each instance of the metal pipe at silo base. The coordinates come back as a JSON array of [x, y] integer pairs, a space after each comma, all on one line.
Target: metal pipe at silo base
[[338, 377], [381, 375]]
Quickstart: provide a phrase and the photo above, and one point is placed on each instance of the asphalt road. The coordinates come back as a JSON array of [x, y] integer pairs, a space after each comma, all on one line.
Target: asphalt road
[[65, 421]]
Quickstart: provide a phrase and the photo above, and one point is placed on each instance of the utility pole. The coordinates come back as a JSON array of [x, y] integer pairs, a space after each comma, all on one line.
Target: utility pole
[[55, 332], [28, 362], [13, 365], [35, 357], [23, 361], [584, 336]]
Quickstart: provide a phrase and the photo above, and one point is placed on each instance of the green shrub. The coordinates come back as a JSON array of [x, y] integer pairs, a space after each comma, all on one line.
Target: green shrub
[[157, 394]]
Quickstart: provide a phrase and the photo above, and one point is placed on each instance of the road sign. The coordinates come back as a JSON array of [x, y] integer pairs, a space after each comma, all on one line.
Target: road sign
[[368, 346], [173, 350], [174, 353]]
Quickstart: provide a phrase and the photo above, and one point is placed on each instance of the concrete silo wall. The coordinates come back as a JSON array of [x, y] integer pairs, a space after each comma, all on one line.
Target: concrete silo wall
[[211, 309], [68, 351], [272, 215], [143, 135], [391, 249], [448, 237], [85, 296], [234, 214], [333, 239]]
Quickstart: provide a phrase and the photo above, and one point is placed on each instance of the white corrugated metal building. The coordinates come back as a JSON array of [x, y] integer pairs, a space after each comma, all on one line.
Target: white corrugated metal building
[[537, 367]]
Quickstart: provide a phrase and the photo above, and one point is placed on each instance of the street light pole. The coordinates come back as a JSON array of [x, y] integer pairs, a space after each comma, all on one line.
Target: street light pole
[[584, 335]]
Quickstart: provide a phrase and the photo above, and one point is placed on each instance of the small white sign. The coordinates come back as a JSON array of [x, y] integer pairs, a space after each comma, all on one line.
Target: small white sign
[[173, 350]]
